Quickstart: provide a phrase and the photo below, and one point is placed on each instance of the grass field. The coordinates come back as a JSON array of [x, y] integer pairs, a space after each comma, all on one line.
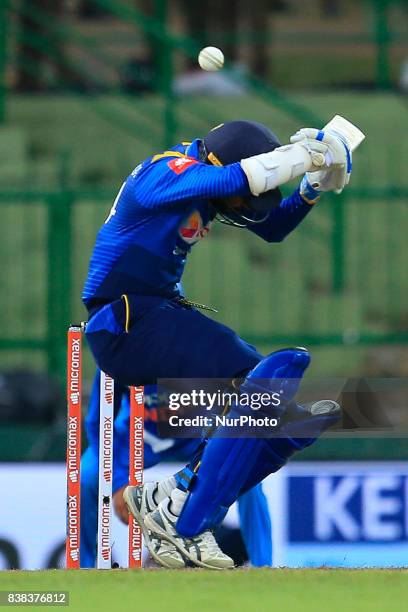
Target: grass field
[[263, 589]]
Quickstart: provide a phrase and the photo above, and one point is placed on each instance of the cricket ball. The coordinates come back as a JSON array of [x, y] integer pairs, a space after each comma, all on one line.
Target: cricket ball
[[211, 59]]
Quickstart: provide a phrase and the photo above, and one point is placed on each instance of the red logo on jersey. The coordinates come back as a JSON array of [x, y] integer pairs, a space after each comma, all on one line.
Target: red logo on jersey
[[180, 164], [193, 229]]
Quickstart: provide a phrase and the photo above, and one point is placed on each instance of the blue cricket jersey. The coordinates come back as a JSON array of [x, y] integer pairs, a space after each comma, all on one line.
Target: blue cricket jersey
[[162, 209]]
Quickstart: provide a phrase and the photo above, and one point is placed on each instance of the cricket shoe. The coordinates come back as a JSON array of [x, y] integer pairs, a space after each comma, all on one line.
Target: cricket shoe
[[140, 500], [202, 550]]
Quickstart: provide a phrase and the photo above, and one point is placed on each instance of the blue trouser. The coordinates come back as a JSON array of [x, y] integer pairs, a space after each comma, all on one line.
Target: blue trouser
[[165, 340], [256, 526]]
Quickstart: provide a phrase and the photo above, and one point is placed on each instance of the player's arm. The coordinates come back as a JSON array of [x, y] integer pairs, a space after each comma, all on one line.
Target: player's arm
[[166, 182], [334, 176], [283, 219], [169, 182]]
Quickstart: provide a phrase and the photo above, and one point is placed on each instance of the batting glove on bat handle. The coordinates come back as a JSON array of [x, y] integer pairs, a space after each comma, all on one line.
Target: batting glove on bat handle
[[338, 158]]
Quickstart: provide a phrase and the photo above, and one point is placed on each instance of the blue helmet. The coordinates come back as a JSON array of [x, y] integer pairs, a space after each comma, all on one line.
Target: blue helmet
[[235, 140]]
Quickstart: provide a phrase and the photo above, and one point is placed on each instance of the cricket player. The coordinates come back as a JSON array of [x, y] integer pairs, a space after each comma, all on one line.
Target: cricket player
[[252, 506], [140, 328]]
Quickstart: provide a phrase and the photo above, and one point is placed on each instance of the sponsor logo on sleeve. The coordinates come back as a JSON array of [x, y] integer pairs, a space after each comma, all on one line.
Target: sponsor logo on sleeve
[[180, 164]]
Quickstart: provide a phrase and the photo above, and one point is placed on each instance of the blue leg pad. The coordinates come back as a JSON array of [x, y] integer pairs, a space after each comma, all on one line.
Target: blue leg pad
[[232, 465]]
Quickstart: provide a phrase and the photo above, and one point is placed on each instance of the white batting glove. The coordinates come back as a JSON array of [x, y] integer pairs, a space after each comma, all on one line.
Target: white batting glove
[[338, 159]]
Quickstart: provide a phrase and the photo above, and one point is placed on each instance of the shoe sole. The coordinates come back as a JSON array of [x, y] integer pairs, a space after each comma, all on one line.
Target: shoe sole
[[325, 407], [127, 496], [152, 526]]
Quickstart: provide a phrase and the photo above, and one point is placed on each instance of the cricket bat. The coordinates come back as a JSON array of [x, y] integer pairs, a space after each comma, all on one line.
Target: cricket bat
[[346, 130]]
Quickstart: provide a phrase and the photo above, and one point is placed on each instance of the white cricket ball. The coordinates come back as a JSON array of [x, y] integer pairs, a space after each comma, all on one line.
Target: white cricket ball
[[211, 59]]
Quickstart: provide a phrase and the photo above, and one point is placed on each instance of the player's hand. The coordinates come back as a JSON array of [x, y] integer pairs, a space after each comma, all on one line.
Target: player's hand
[[338, 160], [119, 505], [310, 194], [333, 179], [311, 151]]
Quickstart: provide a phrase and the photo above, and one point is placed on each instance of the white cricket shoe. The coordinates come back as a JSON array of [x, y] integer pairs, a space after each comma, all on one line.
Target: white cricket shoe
[[140, 501], [202, 550]]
